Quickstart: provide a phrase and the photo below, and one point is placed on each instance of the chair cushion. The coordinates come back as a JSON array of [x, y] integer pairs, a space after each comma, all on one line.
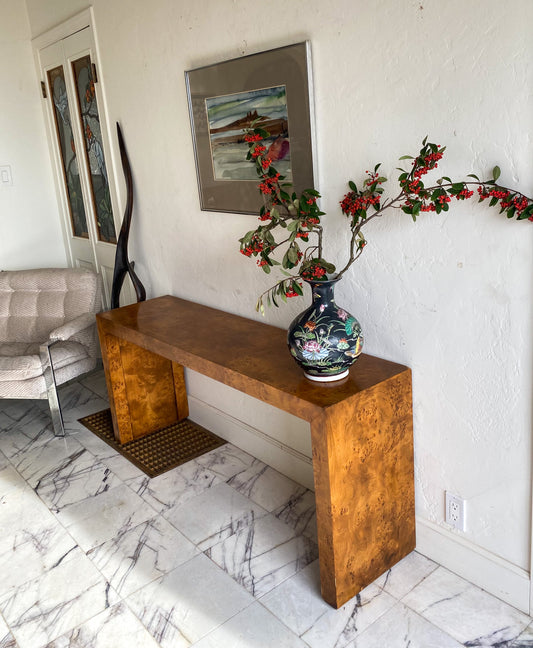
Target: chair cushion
[[20, 361]]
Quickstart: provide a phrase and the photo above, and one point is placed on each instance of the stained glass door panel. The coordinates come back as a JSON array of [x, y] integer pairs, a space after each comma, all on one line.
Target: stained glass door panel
[[67, 147], [90, 123]]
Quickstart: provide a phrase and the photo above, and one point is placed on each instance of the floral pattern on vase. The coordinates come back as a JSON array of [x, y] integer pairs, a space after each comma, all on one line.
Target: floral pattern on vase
[[325, 340]]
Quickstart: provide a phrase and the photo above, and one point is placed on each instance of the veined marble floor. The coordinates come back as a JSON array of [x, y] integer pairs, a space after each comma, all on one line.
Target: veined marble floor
[[218, 553]]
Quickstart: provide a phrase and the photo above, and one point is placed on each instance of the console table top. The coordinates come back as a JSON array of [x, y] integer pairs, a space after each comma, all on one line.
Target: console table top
[[245, 354]]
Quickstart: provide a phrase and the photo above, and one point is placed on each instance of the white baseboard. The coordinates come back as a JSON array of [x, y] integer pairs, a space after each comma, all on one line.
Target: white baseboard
[[477, 565], [283, 458]]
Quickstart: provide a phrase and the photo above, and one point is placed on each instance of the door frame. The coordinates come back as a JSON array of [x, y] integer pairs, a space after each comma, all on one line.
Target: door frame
[[77, 23]]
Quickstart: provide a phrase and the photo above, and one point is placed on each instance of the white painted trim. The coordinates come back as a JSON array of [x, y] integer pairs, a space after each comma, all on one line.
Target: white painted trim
[[65, 29], [477, 565], [283, 458]]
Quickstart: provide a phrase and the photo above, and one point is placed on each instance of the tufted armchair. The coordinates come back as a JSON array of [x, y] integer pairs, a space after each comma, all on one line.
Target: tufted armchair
[[47, 332]]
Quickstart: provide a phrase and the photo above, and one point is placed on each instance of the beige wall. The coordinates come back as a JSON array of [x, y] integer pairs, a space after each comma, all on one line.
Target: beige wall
[[30, 235], [450, 296]]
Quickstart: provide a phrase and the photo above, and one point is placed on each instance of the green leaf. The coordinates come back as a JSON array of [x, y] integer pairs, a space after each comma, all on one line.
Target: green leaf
[[274, 213], [458, 186], [493, 201], [528, 211], [293, 225], [266, 269], [406, 157], [473, 175], [296, 287], [496, 173], [292, 254], [353, 186]]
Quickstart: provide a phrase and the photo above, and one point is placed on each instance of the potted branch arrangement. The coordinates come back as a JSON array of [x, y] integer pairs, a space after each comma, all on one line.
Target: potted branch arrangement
[[325, 340]]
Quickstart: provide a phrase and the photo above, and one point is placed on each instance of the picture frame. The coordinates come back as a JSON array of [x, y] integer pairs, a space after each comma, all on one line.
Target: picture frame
[[273, 87]]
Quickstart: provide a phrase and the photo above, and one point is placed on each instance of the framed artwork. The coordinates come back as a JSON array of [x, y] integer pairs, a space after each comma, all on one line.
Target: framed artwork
[[272, 88]]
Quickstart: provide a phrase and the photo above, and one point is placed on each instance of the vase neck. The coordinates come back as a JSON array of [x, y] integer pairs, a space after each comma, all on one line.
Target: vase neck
[[322, 291]]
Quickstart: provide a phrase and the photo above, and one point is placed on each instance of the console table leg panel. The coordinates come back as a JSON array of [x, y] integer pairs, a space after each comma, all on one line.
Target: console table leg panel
[[180, 391], [364, 487], [147, 391]]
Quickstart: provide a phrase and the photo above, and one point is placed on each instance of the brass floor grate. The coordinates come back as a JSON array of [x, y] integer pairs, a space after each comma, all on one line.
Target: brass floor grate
[[160, 451]]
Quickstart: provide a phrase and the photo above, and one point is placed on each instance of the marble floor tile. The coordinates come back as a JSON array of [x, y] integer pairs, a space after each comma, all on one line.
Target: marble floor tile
[[255, 627], [400, 627], [117, 463], [340, 628], [467, 613], [95, 381], [299, 512], [224, 512], [6, 638], [263, 554], [61, 599], [4, 461], [63, 472], [123, 468], [116, 627], [143, 583], [188, 603], [226, 461], [36, 541], [96, 446], [525, 640], [78, 401], [10, 480], [112, 513], [406, 574], [140, 555], [297, 601], [174, 487], [24, 431], [266, 486]]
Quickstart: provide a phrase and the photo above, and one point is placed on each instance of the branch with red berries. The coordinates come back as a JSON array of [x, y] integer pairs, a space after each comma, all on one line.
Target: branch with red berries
[[299, 216]]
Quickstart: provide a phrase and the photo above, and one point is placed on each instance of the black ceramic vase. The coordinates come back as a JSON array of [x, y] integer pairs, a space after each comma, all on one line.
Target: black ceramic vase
[[325, 340]]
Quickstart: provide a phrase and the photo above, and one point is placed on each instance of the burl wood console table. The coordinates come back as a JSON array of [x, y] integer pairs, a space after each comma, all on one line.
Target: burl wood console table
[[361, 427]]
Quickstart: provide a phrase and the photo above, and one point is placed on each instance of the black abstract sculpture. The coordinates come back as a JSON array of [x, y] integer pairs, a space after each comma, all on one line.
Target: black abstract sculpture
[[123, 265]]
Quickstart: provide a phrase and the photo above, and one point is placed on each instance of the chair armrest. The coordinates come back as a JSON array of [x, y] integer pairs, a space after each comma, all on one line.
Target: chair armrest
[[67, 330]]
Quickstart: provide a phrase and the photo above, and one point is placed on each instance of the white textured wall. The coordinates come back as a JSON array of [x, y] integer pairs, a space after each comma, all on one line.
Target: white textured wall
[[30, 234], [450, 296]]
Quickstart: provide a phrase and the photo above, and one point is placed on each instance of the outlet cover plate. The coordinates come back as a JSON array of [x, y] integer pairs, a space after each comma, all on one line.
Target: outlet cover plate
[[455, 511]]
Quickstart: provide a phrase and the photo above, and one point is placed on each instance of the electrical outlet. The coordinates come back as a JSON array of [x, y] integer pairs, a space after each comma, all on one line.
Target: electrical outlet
[[455, 511]]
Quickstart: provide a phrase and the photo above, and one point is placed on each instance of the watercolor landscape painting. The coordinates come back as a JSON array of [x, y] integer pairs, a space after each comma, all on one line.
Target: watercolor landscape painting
[[229, 115]]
